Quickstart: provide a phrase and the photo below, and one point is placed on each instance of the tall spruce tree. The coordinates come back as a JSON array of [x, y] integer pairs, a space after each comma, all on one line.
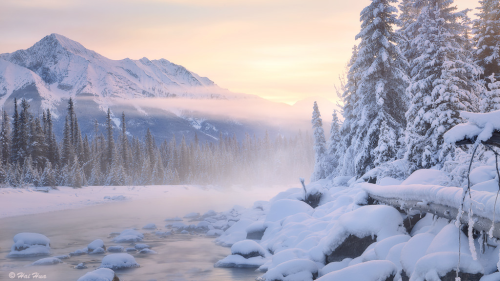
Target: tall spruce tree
[[334, 146], [380, 75], [5, 138], [486, 38], [442, 82], [319, 145], [110, 149], [15, 135]]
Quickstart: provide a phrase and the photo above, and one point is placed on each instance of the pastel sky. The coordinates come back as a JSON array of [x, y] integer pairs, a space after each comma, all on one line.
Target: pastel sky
[[281, 50]]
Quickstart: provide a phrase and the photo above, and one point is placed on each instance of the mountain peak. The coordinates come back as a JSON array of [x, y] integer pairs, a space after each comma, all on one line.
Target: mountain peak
[[54, 40]]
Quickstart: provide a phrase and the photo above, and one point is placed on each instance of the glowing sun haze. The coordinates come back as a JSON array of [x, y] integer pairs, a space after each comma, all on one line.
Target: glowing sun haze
[[281, 50]]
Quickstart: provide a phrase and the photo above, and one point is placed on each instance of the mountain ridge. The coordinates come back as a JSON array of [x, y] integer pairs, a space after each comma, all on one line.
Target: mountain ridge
[[57, 68]]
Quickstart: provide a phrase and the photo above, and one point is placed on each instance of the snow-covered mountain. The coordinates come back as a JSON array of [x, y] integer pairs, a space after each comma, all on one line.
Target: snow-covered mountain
[[57, 68]]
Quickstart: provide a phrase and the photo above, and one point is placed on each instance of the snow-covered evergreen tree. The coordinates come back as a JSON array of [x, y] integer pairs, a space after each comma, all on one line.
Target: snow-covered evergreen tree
[[491, 100], [334, 149], [486, 39], [442, 82], [387, 146], [376, 93], [5, 138], [319, 145]]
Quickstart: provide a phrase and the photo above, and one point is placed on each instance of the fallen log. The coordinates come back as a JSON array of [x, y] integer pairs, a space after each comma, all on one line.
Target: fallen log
[[447, 212]]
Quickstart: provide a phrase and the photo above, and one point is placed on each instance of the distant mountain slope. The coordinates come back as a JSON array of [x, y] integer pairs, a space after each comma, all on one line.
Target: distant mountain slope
[[57, 68]]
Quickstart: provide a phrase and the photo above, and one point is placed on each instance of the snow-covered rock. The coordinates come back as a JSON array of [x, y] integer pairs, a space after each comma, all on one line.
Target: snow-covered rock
[[147, 251], [237, 261], [119, 261], [287, 207], [115, 249], [367, 271], [29, 244], [129, 235], [248, 249], [141, 246], [47, 261], [149, 226], [101, 274], [96, 247], [80, 266], [298, 269], [376, 221]]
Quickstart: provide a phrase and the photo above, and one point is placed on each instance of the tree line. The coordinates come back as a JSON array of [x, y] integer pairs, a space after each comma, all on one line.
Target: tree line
[[406, 83], [31, 155]]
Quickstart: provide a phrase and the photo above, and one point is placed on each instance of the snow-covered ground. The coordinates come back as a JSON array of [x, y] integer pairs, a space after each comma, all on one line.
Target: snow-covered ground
[[25, 201]]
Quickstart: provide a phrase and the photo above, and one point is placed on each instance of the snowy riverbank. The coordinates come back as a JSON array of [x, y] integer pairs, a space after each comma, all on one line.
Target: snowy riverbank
[[26, 201]]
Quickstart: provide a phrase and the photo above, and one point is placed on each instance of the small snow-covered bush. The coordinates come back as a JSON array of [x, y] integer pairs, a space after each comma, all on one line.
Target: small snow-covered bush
[[119, 261], [30, 244]]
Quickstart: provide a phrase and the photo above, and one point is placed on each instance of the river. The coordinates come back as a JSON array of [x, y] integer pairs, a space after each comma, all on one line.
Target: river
[[179, 257]]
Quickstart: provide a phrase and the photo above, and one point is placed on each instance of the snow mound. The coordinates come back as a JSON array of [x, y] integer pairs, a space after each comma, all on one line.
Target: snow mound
[[128, 236], [79, 252], [80, 266], [482, 174], [141, 246], [47, 261], [29, 244], [147, 251], [101, 274], [427, 176], [287, 207], [237, 261], [237, 232], [438, 264], [377, 220], [119, 261], [96, 247], [334, 266], [248, 249], [149, 226], [294, 270], [367, 271]]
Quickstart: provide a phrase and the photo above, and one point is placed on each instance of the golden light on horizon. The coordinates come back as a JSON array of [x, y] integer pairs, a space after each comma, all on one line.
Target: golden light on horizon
[[280, 50]]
